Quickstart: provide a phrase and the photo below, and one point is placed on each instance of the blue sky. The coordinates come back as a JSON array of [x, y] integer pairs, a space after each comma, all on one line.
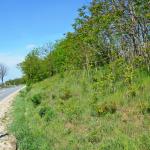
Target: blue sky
[[28, 23]]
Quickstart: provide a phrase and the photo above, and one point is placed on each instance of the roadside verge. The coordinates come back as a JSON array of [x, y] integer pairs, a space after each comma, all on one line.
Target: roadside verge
[[7, 141]]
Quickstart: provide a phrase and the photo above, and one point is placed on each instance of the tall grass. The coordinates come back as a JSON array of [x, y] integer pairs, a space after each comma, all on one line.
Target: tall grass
[[67, 112]]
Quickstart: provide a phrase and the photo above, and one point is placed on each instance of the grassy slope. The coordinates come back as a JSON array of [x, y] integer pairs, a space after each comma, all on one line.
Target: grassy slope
[[65, 113]]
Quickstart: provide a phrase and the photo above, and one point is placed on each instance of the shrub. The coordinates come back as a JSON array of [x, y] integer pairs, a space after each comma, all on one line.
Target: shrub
[[42, 111], [36, 99], [47, 113]]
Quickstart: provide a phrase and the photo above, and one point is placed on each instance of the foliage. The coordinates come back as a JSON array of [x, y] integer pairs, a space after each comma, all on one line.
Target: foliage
[[105, 32], [33, 67], [36, 99]]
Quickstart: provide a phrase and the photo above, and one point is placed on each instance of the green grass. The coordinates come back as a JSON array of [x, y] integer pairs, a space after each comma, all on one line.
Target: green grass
[[67, 112]]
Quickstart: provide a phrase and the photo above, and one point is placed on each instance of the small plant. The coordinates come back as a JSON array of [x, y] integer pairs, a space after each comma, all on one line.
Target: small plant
[[138, 61], [106, 107], [47, 113], [145, 108], [36, 99], [28, 88], [111, 82], [99, 86], [129, 75], [53, 96], [42, 112], [72, 110], [141, 88], [93, 104], [22, 93], [94, 79], [62, 75], [131, 92], [94, 138], [66, 94]]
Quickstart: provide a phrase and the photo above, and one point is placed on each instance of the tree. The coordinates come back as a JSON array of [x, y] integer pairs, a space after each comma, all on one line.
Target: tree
[[33, 67], [3, 72], [104, 31]]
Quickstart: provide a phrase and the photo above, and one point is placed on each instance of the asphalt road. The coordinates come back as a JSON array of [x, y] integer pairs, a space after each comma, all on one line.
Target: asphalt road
[[7, 91]]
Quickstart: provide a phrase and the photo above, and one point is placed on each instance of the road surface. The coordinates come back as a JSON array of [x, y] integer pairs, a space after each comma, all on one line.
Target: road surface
[[7, 91]]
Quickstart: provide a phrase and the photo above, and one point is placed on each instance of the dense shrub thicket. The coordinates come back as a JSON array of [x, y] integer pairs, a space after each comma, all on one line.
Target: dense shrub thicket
[[105, 32]]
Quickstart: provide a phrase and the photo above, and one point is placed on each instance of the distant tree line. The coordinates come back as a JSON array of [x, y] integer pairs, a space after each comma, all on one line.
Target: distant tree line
[[17, 81], [105, 31]]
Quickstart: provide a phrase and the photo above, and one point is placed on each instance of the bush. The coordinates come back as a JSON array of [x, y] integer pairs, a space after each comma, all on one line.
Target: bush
[[36, 99], [42, 111], [47, 113]]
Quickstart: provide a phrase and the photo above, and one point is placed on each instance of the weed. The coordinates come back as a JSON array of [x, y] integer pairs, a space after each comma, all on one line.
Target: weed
[[66, 94], [106, 107], [132, 92]]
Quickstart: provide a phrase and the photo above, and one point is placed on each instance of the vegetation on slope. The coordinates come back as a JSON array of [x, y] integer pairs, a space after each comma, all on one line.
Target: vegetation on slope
[[69, 111], [94, 89]]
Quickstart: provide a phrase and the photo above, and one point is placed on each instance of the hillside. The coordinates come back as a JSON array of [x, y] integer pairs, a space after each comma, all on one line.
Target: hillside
[[90, 89], [70, 111]]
